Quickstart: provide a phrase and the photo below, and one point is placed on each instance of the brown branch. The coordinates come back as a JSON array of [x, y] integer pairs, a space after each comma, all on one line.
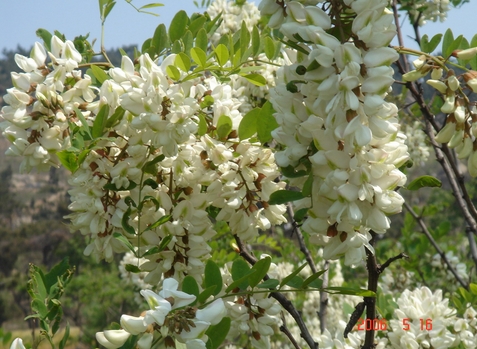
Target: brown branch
[[285, 330], [433, 242], [370, 302], [284, 301], [392, 259], [311, 263], [472, 245]]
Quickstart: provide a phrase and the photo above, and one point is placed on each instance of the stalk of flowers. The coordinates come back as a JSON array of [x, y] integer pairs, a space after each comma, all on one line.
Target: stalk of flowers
[[331, 109], [36, 114], [156, 119], [418, 305], [232, 15], [170, 319], [254, 314]]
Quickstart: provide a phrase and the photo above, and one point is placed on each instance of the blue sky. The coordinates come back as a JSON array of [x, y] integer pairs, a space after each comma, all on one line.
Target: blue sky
[[21, 18]]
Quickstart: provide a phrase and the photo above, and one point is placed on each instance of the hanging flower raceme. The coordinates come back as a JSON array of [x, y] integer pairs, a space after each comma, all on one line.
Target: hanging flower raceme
[[170, 318], [330, 108]]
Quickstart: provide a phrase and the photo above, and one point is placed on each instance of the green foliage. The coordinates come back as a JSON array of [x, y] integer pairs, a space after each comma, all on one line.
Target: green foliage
[[424, 181], [45, 291]]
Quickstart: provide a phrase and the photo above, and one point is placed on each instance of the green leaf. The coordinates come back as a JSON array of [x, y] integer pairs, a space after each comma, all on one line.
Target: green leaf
[[197, 24], [46, 36], [99, 123], [114, 119], [202, 125], [156, 4], [202, 41], [125, 242], [150, 166], [125, 223], [222, 54], [178, 26], [99, 73], [300, 214], [160, 40], [69, 160], [350, 291], [308, 185], [217, 333], [473, 289], [66, 335], [269, 47], [425, 43], [173, 72], [198, 55], [58, 271], [269, 284], [292, 275], [224, 126], [146, 45], [248, 125], [424, 181], [81, 117], [261, 267], [132, 268], [266, 123], [464, 45], [255, 79], [435, 41], [448, 39], [213, 277], [244, 37], [205, 294], [255, 41], [283, 196], [159, 222], [182, 61], [312, 278], [289, 172], [295, 282], [38, 306], [190, 286], [188, 41]]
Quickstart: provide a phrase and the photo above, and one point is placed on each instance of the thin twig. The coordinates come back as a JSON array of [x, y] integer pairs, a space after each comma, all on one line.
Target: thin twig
[[284, 301], [392, 259], [433, 242], [309, 259], [472, 245], [287, 332]]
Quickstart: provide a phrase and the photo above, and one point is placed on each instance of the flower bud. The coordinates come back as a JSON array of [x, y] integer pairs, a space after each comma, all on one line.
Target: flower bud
[[436, 74], [456, 139], [446, 133], [470, 78], [465, 148], [438, 85], [465, 54], [453, 83], [449, 104]]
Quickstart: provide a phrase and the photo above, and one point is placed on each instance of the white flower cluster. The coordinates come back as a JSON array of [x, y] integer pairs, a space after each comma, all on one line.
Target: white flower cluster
[[36, 123], [417, 307], [232, 16], [460, 268], [416, 143], [331, 110], [254, 314], [169, 316], [151, 169], [427, 10]]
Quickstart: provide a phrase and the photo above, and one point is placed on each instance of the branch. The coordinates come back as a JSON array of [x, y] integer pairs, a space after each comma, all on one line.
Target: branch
[[285, 330], [311, 263], [472, 245], [284, 301], [392, 259], [370, 302], [433, 242]]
